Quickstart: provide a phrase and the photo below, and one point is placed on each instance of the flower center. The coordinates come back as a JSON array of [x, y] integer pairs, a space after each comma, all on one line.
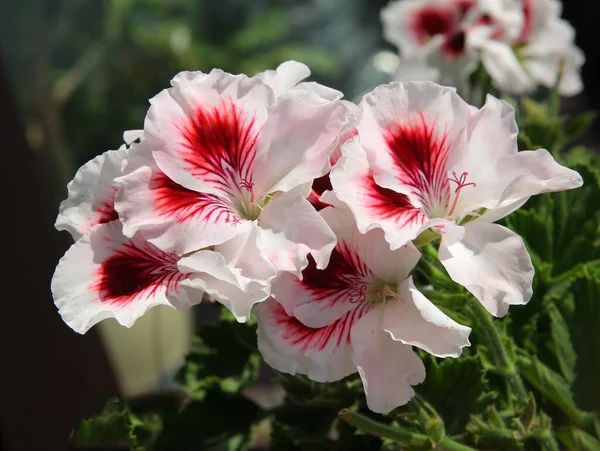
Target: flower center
[[371, 291]]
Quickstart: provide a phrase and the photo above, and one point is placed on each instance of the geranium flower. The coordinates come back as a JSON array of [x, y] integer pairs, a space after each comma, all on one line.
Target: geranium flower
[[432, 37], [544, 45], [361, 313], [424, 160], [108, 275], [227, 156]]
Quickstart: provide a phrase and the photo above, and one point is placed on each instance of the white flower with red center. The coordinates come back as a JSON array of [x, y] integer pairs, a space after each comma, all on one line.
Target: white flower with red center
[[533, 56], [432, 37], [229, 156], [108, 275], [424, 160], [361, 313]]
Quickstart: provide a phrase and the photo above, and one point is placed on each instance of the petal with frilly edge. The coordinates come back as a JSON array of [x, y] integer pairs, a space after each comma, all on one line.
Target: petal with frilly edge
[[388, 368], [203, 131], [289, 230], [414, 320], [297, 140], [91, 194], [323, 354], [287, 76], [374, 206], [525, 174], [210, 272], [107, 275], [491, 262], [173, 217]]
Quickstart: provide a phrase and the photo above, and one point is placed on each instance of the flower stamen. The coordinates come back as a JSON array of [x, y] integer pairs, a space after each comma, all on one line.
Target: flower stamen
[[460, 184]]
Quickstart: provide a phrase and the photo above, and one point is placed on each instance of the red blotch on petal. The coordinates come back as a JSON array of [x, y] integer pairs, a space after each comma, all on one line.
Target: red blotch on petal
[[344, 279], [527, 20], [431, 21], [220, 146], [182, 204], [454, 45], [138, 270], [388, 204], [420, 158], [306, 338], [107, 212]]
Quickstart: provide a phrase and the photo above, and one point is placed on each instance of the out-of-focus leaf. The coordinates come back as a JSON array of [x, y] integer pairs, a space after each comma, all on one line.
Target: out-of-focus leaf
[[223, 354], [579, 124], [577, 440], [267, 28], [220, 421], [117, 426]]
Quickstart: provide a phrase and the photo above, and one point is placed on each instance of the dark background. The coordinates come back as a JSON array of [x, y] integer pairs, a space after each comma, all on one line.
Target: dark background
[[73, 75]]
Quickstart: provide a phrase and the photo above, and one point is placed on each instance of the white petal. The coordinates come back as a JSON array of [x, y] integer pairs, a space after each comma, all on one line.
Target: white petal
[[290, 229], [414, 320], [91, 194], [106, 275], [286, 77], [172, 217], [388, 368], [297, 140], [492, 263], [210, 272], [534, 172], [501, 63], [203, 131], [287, 345]]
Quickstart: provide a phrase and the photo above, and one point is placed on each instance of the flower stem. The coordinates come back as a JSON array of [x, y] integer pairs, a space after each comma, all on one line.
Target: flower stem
[[498, 351], [397, 433]]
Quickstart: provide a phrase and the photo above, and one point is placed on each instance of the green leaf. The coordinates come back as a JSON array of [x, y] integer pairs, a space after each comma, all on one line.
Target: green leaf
[[585, 332], [577, 440], [217, 420], [455, 388], [552, 385], [222, 354], [117, 425], [579, 124], [563, 346], [267, 28]]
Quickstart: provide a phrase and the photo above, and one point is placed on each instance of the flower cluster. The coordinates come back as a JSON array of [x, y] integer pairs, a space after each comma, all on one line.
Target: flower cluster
[[272, 191], [521, 44]]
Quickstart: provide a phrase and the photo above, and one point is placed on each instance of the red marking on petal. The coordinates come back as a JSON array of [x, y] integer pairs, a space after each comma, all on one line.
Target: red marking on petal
[[315, 199], [420, 158], [388, 204], [454, 45], [322, 184], [341, 281], [527, 20], [464, 6], [106, 212], [220, 146], [138, 270], [182, 204], [306, 338], [431, 21]]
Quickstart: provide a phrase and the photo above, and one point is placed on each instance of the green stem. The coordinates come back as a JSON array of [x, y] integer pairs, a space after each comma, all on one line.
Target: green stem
[[397, 433], [498, 351]]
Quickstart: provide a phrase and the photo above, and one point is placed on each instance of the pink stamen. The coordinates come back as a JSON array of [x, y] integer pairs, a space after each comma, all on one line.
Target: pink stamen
[[359, 294], [460, 184], [249, 186]]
